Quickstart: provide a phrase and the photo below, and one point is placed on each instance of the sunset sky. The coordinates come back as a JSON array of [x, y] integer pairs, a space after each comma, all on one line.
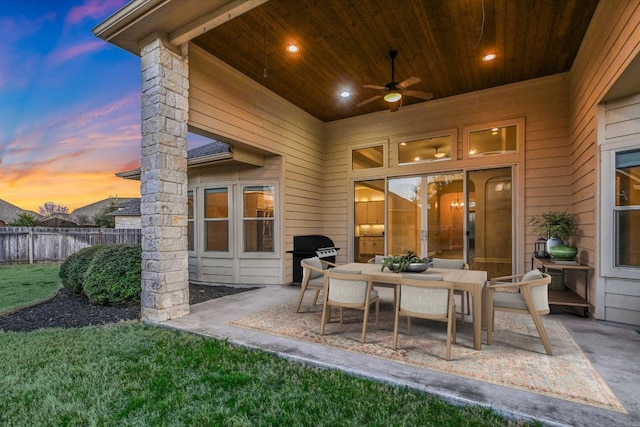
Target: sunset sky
[[69, 105]]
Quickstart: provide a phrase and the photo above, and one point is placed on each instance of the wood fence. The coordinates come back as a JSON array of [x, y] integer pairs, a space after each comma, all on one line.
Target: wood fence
[[42, 244]]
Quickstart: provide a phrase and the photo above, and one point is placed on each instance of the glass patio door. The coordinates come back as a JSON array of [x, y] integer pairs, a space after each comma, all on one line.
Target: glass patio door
[[490, 221], [426, 215]]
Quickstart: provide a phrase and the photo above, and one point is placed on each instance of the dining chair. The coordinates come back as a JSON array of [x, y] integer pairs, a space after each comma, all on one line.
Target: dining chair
[[426, 298], [349, 289], [532, 299], [312, 277], [377, 259], [456, 264]]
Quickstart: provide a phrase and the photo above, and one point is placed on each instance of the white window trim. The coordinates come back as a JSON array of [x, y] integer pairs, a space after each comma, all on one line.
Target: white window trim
[[240, 210], [608, 153]]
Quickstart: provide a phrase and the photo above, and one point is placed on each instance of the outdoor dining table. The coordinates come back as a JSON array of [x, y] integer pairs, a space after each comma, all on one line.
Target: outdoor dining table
[[472, 281]]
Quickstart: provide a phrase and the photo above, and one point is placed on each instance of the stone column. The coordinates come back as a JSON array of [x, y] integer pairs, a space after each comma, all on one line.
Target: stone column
[[163, 208]]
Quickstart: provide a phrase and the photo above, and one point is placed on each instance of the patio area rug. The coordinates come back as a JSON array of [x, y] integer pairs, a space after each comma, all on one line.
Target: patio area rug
[[515, 359]]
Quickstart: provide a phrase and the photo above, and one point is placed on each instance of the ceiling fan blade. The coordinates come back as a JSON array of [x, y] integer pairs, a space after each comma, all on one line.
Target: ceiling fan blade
[[416, 94], [374, 87], [395, 106], [408, 82], [373, 98]]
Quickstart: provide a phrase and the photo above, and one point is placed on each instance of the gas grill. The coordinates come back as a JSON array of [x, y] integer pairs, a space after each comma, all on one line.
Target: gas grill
[[310, 246]]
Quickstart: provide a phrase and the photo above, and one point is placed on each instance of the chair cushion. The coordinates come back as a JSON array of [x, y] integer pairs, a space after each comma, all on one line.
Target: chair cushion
[[509, 300], [379, 259], [317, 282], [453, 264], [428, 277], [532, 275], [314, 262]]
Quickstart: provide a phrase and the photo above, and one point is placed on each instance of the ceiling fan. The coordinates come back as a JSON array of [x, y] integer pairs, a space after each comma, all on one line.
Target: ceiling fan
[[394, 91]]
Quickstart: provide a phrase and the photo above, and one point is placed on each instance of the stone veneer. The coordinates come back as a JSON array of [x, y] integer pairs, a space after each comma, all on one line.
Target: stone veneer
[[163, 208]]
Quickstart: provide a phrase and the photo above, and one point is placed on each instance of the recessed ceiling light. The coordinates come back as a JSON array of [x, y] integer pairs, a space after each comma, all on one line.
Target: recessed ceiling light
[[494, 129], [345, 94], [416, 159], [489, 57], [292, 48]]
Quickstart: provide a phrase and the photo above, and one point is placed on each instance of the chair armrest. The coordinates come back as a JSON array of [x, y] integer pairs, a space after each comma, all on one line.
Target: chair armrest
[[327, 264], [506, 279]]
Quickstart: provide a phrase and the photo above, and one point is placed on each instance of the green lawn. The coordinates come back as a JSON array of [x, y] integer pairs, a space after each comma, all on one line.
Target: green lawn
[[25, 284], [132, 374]]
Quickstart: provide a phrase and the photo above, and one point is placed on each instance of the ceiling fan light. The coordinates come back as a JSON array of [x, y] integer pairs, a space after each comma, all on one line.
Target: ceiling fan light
[[393, 97]]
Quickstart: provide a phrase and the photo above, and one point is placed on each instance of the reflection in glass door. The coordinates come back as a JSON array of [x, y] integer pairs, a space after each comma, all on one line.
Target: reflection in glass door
[[489, 221], [437, 230], [368, 219]]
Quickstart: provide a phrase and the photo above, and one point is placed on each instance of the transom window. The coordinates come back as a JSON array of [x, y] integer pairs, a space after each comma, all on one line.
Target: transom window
[[493, 141], [425, 150], [367, 158]]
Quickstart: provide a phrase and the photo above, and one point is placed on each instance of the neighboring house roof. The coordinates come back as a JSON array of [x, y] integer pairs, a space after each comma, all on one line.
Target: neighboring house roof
[[58, 220], [9, 212], [84, 215], [129, 208], [214, 153]]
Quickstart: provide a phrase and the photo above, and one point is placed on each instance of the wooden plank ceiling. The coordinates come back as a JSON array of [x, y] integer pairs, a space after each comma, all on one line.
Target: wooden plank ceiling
[[345, 44]]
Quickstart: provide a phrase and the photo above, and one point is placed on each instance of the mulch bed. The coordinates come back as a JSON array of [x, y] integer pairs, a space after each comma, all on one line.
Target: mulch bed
[[69, 310]]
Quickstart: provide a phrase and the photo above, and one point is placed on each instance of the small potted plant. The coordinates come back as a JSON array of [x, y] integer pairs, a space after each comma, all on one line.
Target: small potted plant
[[557, 227], [407, 262]]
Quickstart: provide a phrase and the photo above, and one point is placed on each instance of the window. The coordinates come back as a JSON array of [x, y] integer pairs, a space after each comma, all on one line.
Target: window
[[626, 212], [425, 150], [493, 141], [366, 158], [190, 222], [258, 218], [216, 219]]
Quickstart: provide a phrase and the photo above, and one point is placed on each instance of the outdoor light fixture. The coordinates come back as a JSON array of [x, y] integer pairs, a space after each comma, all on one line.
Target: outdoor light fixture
[[393, 97]]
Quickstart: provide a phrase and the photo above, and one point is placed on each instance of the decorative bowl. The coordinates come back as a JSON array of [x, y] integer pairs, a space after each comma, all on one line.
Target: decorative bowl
[[417, 267], [563, 252]]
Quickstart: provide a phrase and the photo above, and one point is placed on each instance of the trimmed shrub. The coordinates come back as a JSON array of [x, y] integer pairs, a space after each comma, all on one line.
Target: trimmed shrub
[[74, 268], [114, 275]]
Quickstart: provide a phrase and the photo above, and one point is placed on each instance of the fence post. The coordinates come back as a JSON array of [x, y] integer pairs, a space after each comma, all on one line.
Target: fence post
[[30, 245]]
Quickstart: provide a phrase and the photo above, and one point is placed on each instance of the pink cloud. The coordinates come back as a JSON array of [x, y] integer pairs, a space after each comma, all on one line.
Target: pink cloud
[[93, 9], [76, 50]]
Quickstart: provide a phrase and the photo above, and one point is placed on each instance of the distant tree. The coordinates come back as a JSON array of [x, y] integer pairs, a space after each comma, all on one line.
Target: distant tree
[[102, 219], [52, 208], [24, 219]]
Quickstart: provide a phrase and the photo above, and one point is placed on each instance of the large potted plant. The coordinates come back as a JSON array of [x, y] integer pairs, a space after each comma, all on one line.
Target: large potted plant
[[557, 227]]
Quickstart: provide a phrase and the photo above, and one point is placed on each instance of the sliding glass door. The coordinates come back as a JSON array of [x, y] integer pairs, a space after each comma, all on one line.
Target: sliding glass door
[[465, 215], [490, 221], [426, 215]]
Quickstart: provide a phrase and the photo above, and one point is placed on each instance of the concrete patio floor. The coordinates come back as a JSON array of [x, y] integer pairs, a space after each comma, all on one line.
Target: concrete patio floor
[[614, 351]]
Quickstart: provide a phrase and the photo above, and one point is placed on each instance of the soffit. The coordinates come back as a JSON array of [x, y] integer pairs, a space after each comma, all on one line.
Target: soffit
[[345, 43]]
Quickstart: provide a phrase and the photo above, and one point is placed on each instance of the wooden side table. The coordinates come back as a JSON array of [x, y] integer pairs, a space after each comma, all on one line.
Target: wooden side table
[[566, 297]]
